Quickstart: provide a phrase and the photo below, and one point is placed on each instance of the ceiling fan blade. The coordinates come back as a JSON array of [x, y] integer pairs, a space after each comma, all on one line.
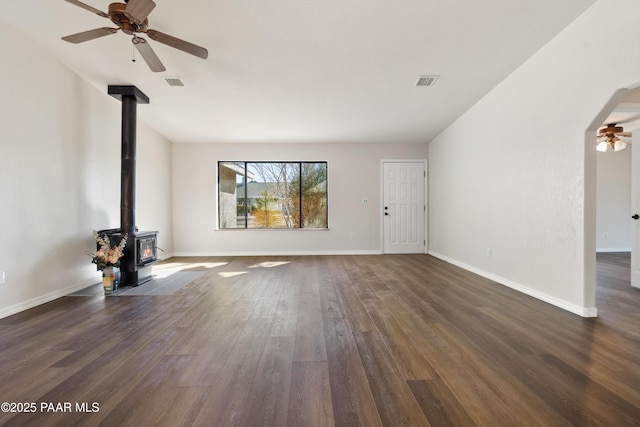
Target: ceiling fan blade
[[184, 46], [627, 134], [148, 54], [139, 9], [89, 8], [89, 35]]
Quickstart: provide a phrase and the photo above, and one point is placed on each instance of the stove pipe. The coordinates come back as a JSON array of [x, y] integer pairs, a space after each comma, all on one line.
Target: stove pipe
[[128, 169], [130, 96]]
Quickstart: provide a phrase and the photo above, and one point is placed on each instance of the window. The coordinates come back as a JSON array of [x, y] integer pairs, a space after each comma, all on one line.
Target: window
[[272, 195]]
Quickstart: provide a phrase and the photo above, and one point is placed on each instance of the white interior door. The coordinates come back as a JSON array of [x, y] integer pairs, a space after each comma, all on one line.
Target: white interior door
[[403, 207], [635, 208]]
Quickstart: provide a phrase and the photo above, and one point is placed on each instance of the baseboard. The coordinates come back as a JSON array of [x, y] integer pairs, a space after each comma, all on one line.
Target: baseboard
[[606, 250], [279, 253], [580, 311], [42, 299], [165, 256]]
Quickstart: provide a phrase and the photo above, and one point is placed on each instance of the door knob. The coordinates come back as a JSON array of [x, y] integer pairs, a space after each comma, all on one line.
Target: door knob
[[635, 216]]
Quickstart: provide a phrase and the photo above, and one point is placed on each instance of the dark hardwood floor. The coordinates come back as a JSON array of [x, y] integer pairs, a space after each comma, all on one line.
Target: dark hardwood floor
[[322, 341]]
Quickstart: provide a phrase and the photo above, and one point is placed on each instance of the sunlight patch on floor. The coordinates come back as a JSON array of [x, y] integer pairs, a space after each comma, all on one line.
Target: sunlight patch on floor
[[168, 268], [226, 274], [269, 264]]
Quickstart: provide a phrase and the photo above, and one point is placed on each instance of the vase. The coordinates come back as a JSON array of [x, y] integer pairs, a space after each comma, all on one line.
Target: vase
[[110, 279]]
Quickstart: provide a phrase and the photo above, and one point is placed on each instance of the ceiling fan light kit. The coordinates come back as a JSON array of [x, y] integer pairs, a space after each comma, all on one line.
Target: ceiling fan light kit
[[610, 138], [131, 18]]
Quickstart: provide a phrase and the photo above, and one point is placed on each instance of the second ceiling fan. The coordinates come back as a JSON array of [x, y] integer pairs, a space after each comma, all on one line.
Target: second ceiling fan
[[609, 136], [131, 18]]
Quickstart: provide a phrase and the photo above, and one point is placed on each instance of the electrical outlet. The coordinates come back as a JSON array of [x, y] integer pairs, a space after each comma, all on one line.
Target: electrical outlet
[[365, 200], [489, 252], [351, 236], [1, 277], [606, 235]]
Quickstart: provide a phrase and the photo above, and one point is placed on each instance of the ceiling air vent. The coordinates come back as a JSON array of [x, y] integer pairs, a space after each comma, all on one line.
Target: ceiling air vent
[[174, 81], [426, 80]]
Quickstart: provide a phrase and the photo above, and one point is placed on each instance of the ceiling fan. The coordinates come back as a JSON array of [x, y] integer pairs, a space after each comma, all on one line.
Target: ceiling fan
[[609, 136], [131, 18]]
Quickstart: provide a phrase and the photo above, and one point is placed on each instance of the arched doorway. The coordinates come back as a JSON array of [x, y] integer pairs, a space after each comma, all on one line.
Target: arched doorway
[[623, 108]]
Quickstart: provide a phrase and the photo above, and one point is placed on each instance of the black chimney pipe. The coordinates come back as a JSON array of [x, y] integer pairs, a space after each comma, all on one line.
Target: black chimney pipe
[[128, 169], [130, 96]]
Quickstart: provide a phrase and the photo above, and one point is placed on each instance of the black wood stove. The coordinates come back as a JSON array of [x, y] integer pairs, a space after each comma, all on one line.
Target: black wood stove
[[140, 251]]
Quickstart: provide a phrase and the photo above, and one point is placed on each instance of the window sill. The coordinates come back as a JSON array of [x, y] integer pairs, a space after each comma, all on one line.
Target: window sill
[[272, 229]]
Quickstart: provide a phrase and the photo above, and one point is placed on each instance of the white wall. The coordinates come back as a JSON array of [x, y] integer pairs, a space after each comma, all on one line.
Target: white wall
[[154, 197], [514, 173], [353, 174], [60, 176], [614, 201]]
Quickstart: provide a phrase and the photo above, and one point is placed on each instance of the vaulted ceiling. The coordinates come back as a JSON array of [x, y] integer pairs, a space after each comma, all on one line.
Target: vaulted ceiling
[[305, 71]]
